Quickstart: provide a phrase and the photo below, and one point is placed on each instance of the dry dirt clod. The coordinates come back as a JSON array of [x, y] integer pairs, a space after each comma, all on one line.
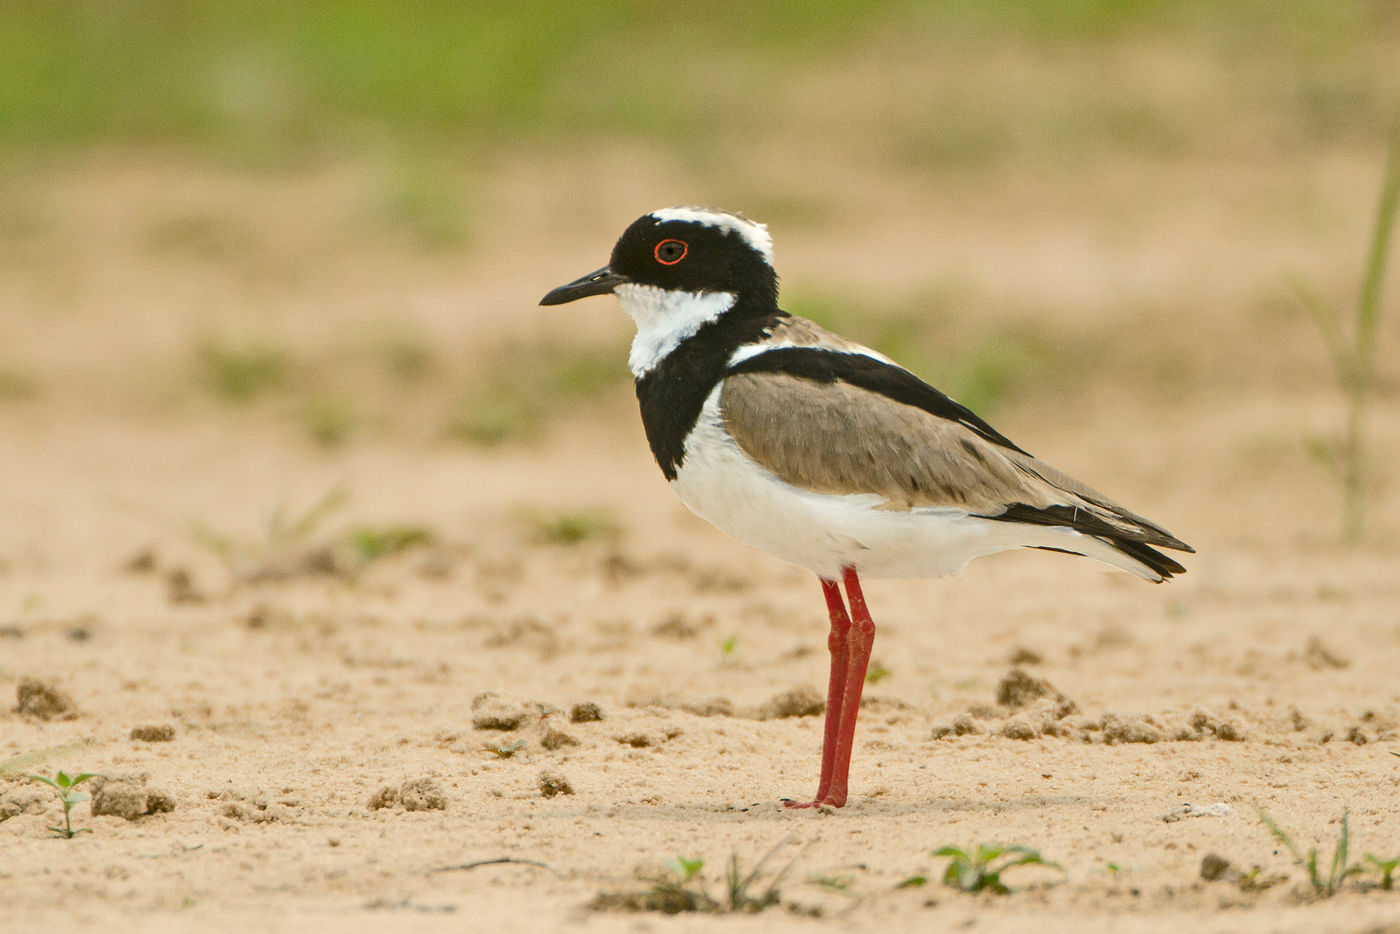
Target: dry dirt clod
[[128, 796], [180, 587], [22, 801], [798, 702], [707, 707], [142, 562], [1319, 656], [1215, 868], [1130, 728], [386, 797], [557, 739], [422, 794], [1017, 728], [254, 810], [676, 626], [1203, 721], [554, 783], [43, 701], [964, 725], [153, 733], [494, 711], [585, 712], [1019, 689]]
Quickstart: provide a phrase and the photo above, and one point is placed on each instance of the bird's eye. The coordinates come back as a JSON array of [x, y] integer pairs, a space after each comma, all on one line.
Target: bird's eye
[[671, 252]]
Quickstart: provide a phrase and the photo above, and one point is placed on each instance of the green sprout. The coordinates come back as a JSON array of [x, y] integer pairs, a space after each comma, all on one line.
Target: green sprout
[[727, 647], [685, 869], [506, 750], [1324, 886], [1385, 868], [684, 889], [63, 784], [981, 869]]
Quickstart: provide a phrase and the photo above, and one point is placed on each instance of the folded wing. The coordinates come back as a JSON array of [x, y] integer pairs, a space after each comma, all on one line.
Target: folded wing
[[839, 422]]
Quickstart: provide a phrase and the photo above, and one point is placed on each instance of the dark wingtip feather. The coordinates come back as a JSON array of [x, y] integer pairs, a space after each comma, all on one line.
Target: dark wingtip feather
[[1135, 546], [1151, 557]]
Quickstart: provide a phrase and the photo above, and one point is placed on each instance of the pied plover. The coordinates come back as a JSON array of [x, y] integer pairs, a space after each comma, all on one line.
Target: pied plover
[[824, 453]]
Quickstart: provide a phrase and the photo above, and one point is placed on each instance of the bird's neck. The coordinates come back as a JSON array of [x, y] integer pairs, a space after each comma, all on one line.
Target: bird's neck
[[672, 390]]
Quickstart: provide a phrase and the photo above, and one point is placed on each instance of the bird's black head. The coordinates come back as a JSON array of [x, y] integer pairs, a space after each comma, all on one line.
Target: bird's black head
[[685, 250]]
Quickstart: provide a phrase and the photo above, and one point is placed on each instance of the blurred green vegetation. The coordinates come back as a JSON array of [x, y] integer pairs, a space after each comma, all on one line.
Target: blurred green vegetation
[[277, 83]]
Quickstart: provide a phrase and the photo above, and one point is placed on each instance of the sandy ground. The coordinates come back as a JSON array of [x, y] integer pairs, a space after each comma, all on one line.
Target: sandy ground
[[291, 684]]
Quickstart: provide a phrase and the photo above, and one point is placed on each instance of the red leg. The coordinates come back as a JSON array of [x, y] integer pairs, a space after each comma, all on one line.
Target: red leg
[[838, 644], [860, 640]]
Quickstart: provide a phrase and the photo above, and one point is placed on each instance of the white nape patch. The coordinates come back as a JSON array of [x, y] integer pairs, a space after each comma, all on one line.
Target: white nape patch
[[755, 235], [664, 318]]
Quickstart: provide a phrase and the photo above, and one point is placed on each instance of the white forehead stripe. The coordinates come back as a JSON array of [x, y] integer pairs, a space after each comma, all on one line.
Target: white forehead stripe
[[755, 235]]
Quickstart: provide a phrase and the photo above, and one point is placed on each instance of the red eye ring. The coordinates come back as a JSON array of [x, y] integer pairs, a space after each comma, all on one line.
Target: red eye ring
[[666, 254]]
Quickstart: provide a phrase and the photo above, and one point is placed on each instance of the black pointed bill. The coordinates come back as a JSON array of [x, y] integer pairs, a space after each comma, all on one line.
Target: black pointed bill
[[599, 282]]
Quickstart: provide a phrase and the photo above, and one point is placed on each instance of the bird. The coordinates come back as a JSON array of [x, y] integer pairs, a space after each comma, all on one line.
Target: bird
[[825, 453]]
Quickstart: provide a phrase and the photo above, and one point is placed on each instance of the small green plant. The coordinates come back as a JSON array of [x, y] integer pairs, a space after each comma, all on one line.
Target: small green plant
[[1385, 868], [287, 546], [980, 870], [1324, 886], [1354, 354], [877, 673], [331, 420], [841, 885], [684, 890], [241, 373], [506, 750], [727, 646], [685, 868], [64, 784], [573, 527], [370, 543], [494, 419]]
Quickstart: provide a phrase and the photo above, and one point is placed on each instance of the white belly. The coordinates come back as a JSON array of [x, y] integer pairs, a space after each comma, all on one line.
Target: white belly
[[825, 533]]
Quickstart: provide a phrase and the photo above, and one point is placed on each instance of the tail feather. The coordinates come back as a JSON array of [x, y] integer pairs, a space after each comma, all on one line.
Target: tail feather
[[1133, 542]]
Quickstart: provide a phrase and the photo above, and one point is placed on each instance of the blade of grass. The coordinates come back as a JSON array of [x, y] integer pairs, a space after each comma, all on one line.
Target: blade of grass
[[1329, 325], [1368, 312]]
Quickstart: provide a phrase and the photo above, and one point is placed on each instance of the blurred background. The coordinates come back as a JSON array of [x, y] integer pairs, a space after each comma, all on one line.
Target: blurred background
[[274, 237]]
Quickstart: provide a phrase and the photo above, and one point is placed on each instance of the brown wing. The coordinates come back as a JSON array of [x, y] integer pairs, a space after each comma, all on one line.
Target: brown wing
[[833, 437], [838, 438]]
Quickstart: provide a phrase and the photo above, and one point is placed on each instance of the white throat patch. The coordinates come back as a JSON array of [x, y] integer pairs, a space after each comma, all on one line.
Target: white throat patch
[[755, 235], [664, 318]]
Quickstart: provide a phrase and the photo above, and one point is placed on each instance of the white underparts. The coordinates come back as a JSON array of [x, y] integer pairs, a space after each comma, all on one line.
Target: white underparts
[[825, 533], [664, 318]]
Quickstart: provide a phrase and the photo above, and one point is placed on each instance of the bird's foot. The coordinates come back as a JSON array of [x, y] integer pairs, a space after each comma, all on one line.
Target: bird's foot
[[823, 804]]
